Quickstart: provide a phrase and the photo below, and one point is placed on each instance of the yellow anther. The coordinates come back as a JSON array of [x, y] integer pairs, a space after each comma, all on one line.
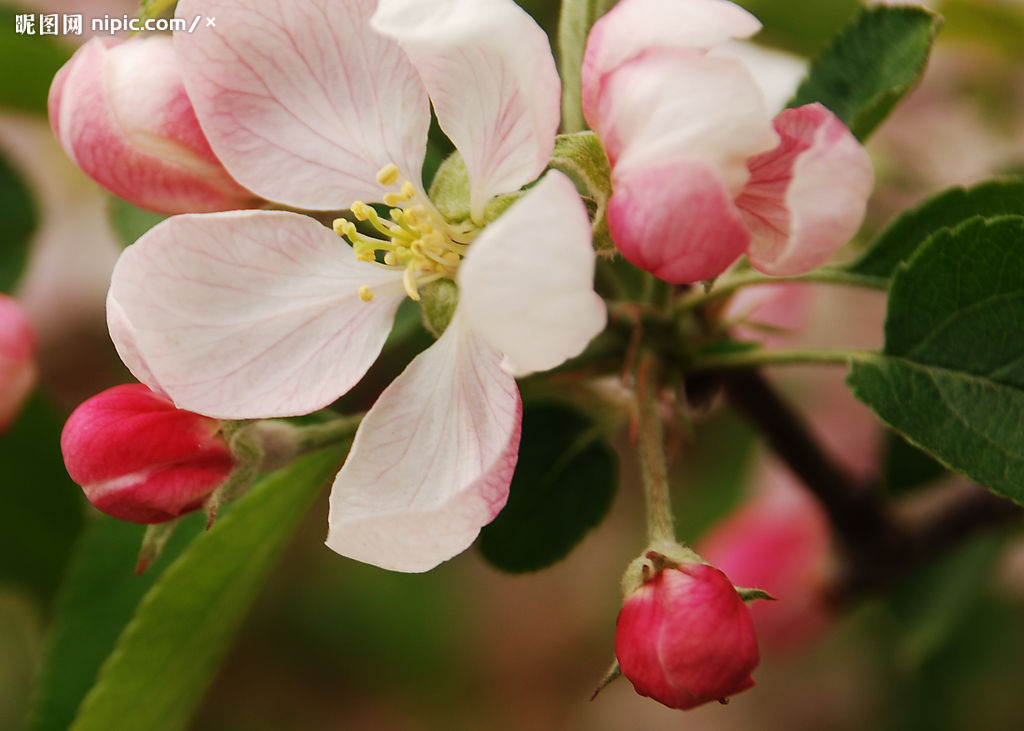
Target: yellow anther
[[365, 294], [451, 256], [408, 191], [339, 226], [392, 199], [390, 259], [388, 174], [361, 211]]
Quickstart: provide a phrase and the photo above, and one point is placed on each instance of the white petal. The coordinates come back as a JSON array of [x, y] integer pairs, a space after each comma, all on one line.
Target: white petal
[[432, 461], [670, 103], [493, 82], [249, 314], [777, 73], [527, 284], [302, 101], [633, 26]]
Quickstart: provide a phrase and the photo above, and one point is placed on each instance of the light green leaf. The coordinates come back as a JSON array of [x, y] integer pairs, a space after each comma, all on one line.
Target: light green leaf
[[949, 208], [951, 376], [870, 66], [563, 485], [96, 600], [574, 23], [167, 655]]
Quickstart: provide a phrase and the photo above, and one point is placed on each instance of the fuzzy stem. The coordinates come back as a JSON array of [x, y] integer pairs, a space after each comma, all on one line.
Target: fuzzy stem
[[756, 357], [660, 523]]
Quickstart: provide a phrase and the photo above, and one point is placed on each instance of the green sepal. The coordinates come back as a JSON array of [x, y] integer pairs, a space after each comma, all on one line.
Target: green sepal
[[581, 156], [438, 301], [752, 595]]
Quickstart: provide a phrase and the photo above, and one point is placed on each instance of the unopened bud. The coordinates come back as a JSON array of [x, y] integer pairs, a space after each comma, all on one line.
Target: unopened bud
[[685, 637], [139, 458], [122, 114], [17, 359]]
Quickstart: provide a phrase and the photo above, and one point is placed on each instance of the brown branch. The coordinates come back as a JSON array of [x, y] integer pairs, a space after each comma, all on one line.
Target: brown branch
[[881, 541]]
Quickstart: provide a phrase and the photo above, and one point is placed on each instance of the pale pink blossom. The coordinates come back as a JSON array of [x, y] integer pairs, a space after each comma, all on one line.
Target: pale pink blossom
[[700, 172], [17, 359], [122, 115], [685, 637], [325, 105]]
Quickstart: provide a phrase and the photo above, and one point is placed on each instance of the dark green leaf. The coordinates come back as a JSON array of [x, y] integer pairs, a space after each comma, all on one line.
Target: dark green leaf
[[18, 212], [96, 601], [950, 208], [562, 487], [167, 655], [906, 467], [951, 376], [40, 507], [800, 26], [870, 66], [29, 63]]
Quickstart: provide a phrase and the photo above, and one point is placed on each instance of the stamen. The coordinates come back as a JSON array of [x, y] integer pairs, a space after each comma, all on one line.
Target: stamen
[[409, 282], [388, 174], [365, 294]]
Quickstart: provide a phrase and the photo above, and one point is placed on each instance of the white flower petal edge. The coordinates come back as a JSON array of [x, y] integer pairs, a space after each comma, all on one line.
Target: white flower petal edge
[[302, 101], [249, 314], [627, 30], [491, 76], [433, 459], [527, 284]]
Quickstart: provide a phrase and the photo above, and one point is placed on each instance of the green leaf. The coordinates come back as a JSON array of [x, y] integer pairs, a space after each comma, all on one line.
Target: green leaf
[[18, 212], [870, 66], [906, 468], [29, 61], [800, 26], [951, 376], [574, 22], [562, 487], [949, 208], [96, 601], [167, 655], [40, 507]]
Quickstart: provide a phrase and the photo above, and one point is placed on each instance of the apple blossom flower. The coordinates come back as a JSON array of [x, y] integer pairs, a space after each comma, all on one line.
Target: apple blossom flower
[[258, 314], [17, 359], [778, 541], [685, 637], [121, 113], [700, 172], [139, 458]]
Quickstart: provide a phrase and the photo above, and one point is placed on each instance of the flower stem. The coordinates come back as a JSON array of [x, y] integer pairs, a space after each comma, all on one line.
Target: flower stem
[[756, 357], [315, 436], [730, 284], [660, 523]]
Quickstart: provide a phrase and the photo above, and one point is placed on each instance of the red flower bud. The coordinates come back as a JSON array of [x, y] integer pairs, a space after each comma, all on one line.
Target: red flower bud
[[685, 637], [17, 364], [123, 116], [778, 541], [139, 458]]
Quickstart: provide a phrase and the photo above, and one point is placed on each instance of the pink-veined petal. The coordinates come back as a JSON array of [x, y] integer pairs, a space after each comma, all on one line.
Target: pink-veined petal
[[633, 26], [249, 314], [121, 113], [806, 198], [526, 286], [303, 102], [432, 461], [490, 74], [676, 220], [670, 103]]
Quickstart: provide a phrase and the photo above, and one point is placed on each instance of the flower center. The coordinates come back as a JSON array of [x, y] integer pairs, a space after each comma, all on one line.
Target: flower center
[[413, 238]]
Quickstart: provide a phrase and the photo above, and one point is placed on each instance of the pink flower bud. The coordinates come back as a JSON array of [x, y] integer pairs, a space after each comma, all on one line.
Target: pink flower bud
[[122, 115], [779, 541], [17, 364], [685, 637], [139, 458]]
